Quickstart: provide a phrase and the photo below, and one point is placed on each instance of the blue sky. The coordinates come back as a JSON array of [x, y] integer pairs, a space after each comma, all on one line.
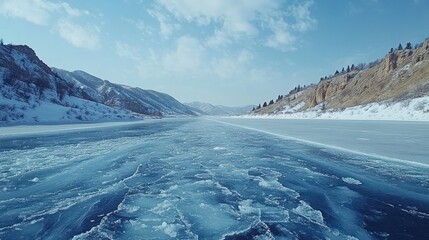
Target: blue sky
[[230, 52]]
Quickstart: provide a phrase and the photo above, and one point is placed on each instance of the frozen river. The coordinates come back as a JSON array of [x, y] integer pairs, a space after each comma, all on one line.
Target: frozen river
[[215, 179]]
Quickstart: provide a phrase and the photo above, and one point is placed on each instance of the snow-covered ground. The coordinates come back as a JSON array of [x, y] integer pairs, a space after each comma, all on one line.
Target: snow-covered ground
[[416, 109], [200, 179], [72, 109]]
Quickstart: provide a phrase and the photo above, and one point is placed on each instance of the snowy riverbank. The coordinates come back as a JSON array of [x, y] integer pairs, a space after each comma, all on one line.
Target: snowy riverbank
[[416, 109]]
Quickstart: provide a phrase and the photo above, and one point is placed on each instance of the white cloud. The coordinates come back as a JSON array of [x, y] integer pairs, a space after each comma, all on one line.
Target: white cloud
[[304, 21], [245, 56], [38, 12], [281, 38], [187, 57], [73, 11], [79, 36], [167, 27], [243, 20], [56, 14], [126, 51], [34, 11], [234, 17]]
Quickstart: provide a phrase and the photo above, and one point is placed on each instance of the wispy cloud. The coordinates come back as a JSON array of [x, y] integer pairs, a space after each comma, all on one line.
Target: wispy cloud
[[34, 11], [126, 51], [281, 38], [78, 35], [302, 16], [58, 15], [242, 19], [167, 27], [187, 56]]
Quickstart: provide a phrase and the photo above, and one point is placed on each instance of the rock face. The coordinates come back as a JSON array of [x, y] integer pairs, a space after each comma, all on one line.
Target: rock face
[[401, 74]]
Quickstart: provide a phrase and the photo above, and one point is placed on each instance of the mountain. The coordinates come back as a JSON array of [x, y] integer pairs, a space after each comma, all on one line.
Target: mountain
[[208, 109], [120, 96], [402, 75], [30, 91]]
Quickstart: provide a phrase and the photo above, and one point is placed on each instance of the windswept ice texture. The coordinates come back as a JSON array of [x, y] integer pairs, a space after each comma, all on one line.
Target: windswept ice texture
[[200, 179]]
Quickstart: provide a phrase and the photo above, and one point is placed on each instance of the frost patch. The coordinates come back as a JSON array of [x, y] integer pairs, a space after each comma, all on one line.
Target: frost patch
[[219, 148], [350, 180], [309, 213], [36, 179], [246, 208], [169, 229]]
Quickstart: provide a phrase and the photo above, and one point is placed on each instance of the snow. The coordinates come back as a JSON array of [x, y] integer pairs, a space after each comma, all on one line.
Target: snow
[[416, 109], [162, 179], [350, 180], [74, 109], [309, 213]]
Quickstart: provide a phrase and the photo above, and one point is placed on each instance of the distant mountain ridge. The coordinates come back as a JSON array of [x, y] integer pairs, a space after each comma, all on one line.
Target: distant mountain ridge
[[403, 74], [217, 110], [131, 98], [30, 91]]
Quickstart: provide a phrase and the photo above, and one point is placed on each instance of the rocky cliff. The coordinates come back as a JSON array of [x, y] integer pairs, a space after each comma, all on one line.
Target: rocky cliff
[[401, 74]]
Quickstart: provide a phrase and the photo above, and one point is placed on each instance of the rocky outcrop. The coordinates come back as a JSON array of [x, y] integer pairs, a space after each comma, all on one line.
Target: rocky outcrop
[[390, 62], [401, 74]]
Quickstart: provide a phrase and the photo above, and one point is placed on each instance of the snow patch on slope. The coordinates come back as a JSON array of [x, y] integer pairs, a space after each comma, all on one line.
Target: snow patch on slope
[[416, 109]]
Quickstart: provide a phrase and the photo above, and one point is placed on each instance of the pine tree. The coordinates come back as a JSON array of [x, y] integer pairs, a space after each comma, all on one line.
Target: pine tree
[[271, 102], [391, 50], [336, 72], [348, 68], [353, 67], [343, 71], [265, 104], [400, 47], [408, 46]]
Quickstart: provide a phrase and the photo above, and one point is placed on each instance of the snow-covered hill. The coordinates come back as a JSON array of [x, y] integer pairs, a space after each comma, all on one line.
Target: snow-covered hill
[[131, 98], [209, 109], [31, 92]]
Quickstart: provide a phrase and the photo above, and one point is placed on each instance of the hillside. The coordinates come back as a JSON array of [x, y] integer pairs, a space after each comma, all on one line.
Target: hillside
[[402, 75], [137, 100], [30, 91]]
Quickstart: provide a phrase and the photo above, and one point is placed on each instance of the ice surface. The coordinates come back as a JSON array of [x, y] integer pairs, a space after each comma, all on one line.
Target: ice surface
[[309, 213], [392, 140], [199, 179]]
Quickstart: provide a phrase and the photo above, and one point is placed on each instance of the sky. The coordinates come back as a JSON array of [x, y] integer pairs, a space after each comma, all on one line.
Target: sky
[[223, 52]]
